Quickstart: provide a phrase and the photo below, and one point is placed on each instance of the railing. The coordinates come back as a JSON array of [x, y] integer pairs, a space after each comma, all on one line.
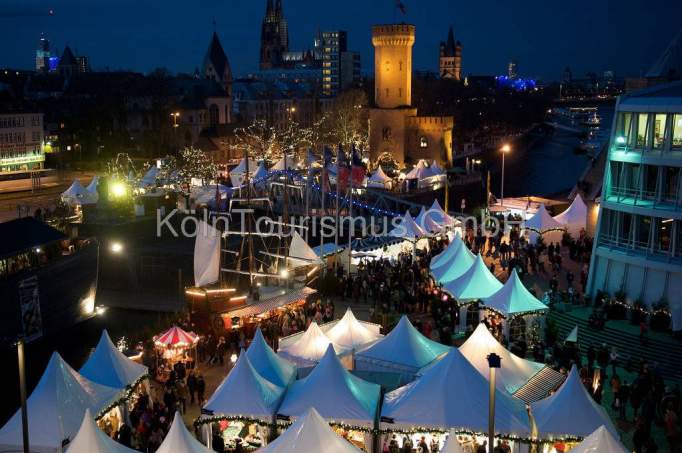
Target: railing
[[639, 248], [644, 198]]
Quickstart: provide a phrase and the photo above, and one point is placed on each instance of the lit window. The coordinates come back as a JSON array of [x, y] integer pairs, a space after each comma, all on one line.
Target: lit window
[[423, 142], [642, 130], [659, 130], [677, 131]]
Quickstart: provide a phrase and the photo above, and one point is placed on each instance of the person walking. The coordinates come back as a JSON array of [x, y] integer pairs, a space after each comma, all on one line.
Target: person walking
[[201, 389]]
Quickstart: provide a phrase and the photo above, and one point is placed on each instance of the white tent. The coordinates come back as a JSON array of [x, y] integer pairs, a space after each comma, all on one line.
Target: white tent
[[207, 194], [179, 439], [379, 179], [291, 163], [426, 221], [436, 169], [76, 194], [238, 173], [403, 350], [260, 174], [407, 229], [515, 371], [441, 217], [452, 395], [206, 255], [300, 253], [149, 178], [600, 441], [245, 393], [309, 348], [56, 407], [91, 439], [570, 411], [461, 261], [350, 333], [514, 299], [310, 433], [451, 444], [92, 187], [109, 366], [268, 364], [420, 171], [543, 224], [574, 218], [335, 393], [476, 283]]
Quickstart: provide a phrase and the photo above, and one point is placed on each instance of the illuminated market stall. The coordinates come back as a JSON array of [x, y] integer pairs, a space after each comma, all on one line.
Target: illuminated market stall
[[268, 364], [91, 439]]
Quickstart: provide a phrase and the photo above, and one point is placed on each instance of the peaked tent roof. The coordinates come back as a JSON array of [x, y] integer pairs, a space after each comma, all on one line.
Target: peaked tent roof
[[268, 364], [176, 337], [440, 216], [460, 262], [291, 163], [260, 173], [600, 441], [91, 439], [572, 335], [452, 394], [350, 333], [309, 348], [476, 283], [574, 218], [310, 433], [109, 366], [179, 439], [515, 371], [451, 444], [300, 252], [92, 187], [378, 176], [407, 229], [216, 56], [77, 194], [241, 167], [335, 393], [556, 414], [446, 255], [405, 347], [245, 393], [420, 171], [149, 178], [56, 407], [426, 222], [514, 299], [542, 221]]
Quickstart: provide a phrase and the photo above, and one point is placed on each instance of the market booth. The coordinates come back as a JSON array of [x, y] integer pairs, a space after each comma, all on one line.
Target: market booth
[[379, 179], [570, 414], [454, 263], [275, 369], [400, 354], [91, 439], [180, 440], [243, 407], [427, 223], [574, 218], [344, 400], [349, 333], [451, 394], [515, 306], [310, 433], [56, 407], [306, 349], [600, 441], [542, 225]]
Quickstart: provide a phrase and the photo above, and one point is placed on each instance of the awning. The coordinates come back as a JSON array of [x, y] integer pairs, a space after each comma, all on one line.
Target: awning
[[271, 303]]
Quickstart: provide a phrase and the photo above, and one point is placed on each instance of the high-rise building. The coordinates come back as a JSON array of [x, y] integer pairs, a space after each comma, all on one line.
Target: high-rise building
[[513, 69], [21, 141], [83, 63], [637, 253], [340, 68], [274, 38], [43, 54], [450, 61]]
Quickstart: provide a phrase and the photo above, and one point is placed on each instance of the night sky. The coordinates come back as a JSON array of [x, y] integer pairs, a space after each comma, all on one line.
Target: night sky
[[543, 35]]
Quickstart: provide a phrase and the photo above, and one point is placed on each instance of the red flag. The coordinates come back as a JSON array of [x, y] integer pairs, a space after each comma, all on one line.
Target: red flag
[[343, 177]]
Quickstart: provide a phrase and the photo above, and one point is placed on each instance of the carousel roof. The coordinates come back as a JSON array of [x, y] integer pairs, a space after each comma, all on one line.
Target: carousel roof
[[513, 299], [310, 347], [600, 441], [310, 433], [109, 366], [91, 439], [350, 333], [453, 395], [245, 393], [176, 337], [179, 439], [556, 415], [268, 364], [459, 262], [335, 393], [476, 283]]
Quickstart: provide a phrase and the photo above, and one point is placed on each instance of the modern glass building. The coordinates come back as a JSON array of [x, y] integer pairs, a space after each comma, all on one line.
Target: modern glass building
[[638, 245]]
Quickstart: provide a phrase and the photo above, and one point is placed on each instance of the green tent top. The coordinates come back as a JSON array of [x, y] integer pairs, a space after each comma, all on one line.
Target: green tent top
[[459, 262], [476, 283], [514, 299]]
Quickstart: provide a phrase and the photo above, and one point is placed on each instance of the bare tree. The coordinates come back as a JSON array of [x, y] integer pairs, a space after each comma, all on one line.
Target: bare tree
[[347, 121]]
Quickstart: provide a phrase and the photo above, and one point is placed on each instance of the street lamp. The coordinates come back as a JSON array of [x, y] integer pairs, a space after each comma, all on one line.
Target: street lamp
[[494, 362], [116, 247], [175, 116], [504, 150]]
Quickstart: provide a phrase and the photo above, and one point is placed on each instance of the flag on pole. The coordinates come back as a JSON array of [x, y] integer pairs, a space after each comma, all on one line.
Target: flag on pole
[[357, 168], [343, 170], [401, 7]]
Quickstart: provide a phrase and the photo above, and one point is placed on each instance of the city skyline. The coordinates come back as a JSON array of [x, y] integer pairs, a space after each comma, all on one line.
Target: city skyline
[[178, 39]]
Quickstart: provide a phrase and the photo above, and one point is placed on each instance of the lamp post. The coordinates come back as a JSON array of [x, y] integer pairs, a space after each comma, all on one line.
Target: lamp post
[[504, 150], [494, 362]]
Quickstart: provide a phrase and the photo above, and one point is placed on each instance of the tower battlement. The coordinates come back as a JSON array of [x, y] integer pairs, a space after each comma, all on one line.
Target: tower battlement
[[393, 35]]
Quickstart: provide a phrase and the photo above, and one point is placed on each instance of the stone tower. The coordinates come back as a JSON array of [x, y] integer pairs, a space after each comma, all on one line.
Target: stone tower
[[393, 64], [450, 61]]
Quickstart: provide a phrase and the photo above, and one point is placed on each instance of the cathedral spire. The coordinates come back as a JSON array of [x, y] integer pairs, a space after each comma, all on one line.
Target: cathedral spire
[[268, 9], [278, 8]]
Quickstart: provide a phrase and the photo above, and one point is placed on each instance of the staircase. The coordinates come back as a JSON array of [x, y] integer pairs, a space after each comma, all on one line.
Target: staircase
[[662, 351]]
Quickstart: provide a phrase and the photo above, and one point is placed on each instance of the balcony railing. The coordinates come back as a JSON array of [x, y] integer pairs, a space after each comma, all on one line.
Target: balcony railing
[[639, 249], [644, 198]]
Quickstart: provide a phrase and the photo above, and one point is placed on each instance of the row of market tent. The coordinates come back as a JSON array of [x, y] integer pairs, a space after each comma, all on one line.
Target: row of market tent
[[573, 220]]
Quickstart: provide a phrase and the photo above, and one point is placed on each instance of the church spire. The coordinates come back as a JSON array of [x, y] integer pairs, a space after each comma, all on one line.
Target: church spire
[[268, 9]]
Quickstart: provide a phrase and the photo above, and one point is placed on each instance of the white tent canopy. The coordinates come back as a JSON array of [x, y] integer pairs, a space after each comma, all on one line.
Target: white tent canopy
[[109, 366], [441, 217], [291, 163], [56, 407], [420, 171], [574, 218], [350, 333], [459, 262], [600, 441], [300, 253], [309, 348], [206, 255], [570, 411], [404, 349], [91, 439], [268, 364], [149, 178], [451, 444], [407, 229], [245, 393], [515, 371], [207, 194], [260, 174], [76, 194], [335, 393], [179, 439], [310, 433], [436, 169], [379, 179], [542, 223], [92, 187], [453, 395], [513, 299], [476, 283], [426, 222], [238, 173]]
